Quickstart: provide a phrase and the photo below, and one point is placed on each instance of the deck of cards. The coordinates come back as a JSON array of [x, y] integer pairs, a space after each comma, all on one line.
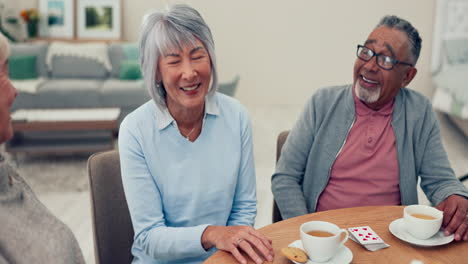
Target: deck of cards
[[365, 236]]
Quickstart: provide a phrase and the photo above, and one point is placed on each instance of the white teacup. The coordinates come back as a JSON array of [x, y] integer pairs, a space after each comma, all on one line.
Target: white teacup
[[422, 221], [325, 241]]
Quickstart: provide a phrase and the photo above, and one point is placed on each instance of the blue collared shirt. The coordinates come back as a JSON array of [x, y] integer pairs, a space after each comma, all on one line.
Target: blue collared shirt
[[176, 188]]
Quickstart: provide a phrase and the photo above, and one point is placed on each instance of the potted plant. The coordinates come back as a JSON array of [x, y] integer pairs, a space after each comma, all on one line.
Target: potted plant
[[31, 17]]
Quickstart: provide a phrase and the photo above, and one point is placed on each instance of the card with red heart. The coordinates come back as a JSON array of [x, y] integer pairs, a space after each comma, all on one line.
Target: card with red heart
[[365, 235]]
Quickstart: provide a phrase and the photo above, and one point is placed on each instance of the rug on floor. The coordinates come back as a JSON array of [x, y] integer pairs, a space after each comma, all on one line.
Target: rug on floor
[[52, 173]]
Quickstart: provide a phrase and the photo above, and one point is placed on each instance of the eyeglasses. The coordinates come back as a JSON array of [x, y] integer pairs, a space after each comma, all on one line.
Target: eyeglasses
[[383, 61]]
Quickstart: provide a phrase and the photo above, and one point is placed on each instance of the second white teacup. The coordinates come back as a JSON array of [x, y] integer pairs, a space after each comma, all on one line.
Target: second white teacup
[[322, 240], [422, 221]]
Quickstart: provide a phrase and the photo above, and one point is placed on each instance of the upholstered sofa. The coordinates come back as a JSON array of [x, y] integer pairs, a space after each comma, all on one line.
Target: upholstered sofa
[[70, 81], [59, 75]]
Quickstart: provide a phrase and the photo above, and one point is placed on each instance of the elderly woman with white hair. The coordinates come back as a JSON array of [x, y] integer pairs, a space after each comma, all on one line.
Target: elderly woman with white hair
[[186, 156], [29, 233]]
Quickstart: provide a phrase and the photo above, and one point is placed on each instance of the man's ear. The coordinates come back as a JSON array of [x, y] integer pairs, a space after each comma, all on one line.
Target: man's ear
[[409, 76]]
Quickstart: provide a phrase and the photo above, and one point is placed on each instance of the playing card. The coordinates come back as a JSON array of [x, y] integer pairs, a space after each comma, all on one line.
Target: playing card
[[365, 235], [375, 247]]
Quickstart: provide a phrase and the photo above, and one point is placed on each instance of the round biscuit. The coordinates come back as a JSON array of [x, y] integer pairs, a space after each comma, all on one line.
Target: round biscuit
[[295, 254]]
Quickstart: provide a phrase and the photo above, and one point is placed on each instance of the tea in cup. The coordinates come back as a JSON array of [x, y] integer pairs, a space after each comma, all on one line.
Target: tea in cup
[[422, 221], [322, 240]]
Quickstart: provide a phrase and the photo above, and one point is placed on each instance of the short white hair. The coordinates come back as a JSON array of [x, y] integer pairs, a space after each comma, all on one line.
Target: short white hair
[[4, 49], [174, 27]]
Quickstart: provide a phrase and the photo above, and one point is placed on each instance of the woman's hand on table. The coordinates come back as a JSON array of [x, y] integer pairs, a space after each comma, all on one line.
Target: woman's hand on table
[[235, 238], [455, 210]]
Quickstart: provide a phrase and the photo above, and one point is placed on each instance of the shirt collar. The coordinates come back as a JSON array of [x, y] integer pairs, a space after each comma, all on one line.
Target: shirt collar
[[164, 118], [211, 105]]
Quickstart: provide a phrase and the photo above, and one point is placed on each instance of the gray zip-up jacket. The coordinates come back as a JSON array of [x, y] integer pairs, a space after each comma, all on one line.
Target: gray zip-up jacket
[[313, 144]]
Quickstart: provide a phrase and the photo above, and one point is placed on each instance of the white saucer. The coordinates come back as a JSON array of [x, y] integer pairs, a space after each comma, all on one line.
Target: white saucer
[[397, 228], [344, 255]]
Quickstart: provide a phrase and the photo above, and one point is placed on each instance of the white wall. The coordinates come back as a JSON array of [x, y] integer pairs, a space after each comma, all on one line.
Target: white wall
[[284, 50], [19, 4]]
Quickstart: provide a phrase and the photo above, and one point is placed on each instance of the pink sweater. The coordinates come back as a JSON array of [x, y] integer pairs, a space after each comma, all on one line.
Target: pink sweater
[[366, 170]]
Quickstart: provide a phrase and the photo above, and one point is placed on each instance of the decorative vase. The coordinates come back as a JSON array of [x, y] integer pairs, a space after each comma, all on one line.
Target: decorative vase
[[32, 28]]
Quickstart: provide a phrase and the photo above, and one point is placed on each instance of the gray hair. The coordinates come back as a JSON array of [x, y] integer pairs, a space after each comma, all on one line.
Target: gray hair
[[174, 27], [4, 49], [406, 27]]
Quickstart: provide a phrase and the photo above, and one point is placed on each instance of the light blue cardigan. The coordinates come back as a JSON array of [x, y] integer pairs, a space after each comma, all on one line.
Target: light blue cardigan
[[312, 146]]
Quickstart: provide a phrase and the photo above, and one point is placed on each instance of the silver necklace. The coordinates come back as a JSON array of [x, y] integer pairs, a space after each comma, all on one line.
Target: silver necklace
[[191, 131], [188, 135]]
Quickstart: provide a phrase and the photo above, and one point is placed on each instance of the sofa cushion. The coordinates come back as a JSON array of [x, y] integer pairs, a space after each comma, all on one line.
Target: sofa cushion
[[131, 51], [77, 67], [68, 93], [119, 52], [36, 49], [21, 67], [129, 94], [130, 70], [115, 56], [24, 101]]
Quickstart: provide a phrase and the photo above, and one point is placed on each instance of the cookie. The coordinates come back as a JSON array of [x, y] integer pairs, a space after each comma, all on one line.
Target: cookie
[[295, 254]]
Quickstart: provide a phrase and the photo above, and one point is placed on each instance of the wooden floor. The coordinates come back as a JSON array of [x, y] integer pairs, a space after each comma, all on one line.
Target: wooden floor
[[73, 208]]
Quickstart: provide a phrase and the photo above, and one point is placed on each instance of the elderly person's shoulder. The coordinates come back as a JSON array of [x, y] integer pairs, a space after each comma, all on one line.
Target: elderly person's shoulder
[[417, 107], [329, 92], [413, 97], [328, 96], [145, 109], [227, 104], [140, 115]]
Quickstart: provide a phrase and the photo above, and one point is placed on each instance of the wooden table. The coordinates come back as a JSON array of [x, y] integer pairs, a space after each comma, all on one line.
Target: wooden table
[[377, 217], [63, 130]]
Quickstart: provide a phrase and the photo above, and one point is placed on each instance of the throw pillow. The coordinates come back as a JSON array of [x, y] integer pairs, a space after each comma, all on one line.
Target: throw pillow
[[131, 51], [22, 67], [130, 70], [76, 67], [38, 49]]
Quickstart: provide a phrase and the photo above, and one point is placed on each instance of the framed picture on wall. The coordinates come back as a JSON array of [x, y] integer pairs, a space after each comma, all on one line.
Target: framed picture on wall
[[57, 18], [99, 19]]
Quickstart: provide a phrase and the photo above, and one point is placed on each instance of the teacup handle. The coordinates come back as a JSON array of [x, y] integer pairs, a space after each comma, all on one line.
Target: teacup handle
[[345, 237]]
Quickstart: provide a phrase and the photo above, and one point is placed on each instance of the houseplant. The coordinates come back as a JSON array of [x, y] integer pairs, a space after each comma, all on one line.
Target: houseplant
[[31, 17]]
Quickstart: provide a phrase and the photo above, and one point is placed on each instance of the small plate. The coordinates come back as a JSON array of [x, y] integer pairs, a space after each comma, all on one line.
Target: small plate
[[397, 228], [344, 255]]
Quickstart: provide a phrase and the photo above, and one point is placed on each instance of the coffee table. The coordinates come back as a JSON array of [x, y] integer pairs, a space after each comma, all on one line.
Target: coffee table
[[378, 218], [63, 130]]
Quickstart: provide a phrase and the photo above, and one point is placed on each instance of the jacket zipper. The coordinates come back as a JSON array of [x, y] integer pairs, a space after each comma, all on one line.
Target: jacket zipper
[[339, 151]]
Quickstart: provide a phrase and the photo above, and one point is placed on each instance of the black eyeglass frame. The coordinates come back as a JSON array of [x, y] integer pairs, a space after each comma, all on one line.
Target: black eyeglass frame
[[377, 55]]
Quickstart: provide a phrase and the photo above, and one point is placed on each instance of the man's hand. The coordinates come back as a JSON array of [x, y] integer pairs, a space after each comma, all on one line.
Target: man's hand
[[235, 238], [455, 210]]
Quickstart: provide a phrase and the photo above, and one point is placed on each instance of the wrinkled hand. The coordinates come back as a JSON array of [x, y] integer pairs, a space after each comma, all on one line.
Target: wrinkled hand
[[235, 238], [455, 210]]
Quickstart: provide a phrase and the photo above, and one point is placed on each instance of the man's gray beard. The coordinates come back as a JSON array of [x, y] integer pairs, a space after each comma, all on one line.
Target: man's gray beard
[[367, 95]]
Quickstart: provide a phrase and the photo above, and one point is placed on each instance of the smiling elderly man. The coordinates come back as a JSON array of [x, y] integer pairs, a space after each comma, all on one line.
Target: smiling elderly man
[[367, 143]]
